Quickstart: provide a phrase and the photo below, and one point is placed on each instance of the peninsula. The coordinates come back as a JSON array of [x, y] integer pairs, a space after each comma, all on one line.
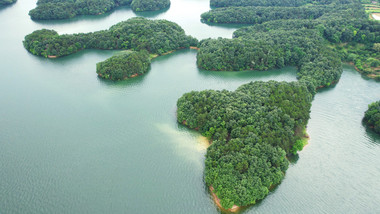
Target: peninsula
[[66, 9]]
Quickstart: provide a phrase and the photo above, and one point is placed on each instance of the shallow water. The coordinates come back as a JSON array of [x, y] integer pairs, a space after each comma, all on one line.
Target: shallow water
[[73, 143]]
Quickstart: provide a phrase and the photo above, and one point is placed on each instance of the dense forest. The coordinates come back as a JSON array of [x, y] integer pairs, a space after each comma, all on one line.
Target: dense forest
[[124, 65], [273, 49], [257, 15], [372, 116], [149, 5], [251, 129], [6, 2], [323, 39], [65, 9], [268, 3], [155, 36]]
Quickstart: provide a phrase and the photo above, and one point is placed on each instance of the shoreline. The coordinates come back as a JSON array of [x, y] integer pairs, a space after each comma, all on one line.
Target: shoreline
[[371, 75], [306, 137], [234, 208], [153, 56]]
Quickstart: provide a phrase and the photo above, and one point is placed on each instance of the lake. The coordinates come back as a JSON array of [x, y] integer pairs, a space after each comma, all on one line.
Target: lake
[[73, 143]]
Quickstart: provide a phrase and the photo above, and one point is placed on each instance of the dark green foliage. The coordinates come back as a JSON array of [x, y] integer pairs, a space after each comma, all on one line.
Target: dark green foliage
[[372, 116], [257, 15], [297, 42], [149, 5], [124, 65], [345, 25], [155, 36], [7, 2], [257, 50], [283, 3], [252, 129], [235, 55], [64, 9]]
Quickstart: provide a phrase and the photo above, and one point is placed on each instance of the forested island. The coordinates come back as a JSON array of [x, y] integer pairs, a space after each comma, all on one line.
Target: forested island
[[154, 36], [343, 27], [6, 2], [252, 130], [126, 64], [255, 128], [372, 116], [149, 5], [65, 9]]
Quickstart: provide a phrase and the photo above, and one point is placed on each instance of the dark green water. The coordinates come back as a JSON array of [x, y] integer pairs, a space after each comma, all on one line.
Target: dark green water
[[72, 143]]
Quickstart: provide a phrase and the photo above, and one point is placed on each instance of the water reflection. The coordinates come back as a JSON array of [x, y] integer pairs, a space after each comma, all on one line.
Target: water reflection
[[255, 75], [132, 82], [227, 26], [151, 14], [2, 7], [372, 136]]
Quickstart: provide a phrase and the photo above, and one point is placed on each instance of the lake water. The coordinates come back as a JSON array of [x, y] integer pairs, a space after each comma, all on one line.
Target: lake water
[[73, 143]]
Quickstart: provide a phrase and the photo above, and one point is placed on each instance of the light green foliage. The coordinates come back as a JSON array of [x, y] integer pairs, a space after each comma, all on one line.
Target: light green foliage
[[298, 146]]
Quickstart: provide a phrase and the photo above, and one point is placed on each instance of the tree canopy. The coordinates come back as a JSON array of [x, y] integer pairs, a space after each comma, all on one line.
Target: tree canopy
[[149, 5], [343, 29], [372, 116], [251, 129], [268, 3], [155, 36], [273, 49], [65, 9], [6, 2], [315, 43], [257, 15], [124, 65]]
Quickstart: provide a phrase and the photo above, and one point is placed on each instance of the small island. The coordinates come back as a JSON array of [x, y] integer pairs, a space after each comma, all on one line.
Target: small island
[[66, 9], [149, 5], [252, 130], [124, 65], [372, 116], [6, 2]]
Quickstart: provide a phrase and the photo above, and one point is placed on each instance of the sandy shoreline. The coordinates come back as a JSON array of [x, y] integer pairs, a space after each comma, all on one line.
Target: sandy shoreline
[[233, 209], [376, 16]]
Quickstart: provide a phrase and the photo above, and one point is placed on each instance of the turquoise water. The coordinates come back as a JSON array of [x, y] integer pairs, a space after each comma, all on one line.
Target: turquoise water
[[73, 143]]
